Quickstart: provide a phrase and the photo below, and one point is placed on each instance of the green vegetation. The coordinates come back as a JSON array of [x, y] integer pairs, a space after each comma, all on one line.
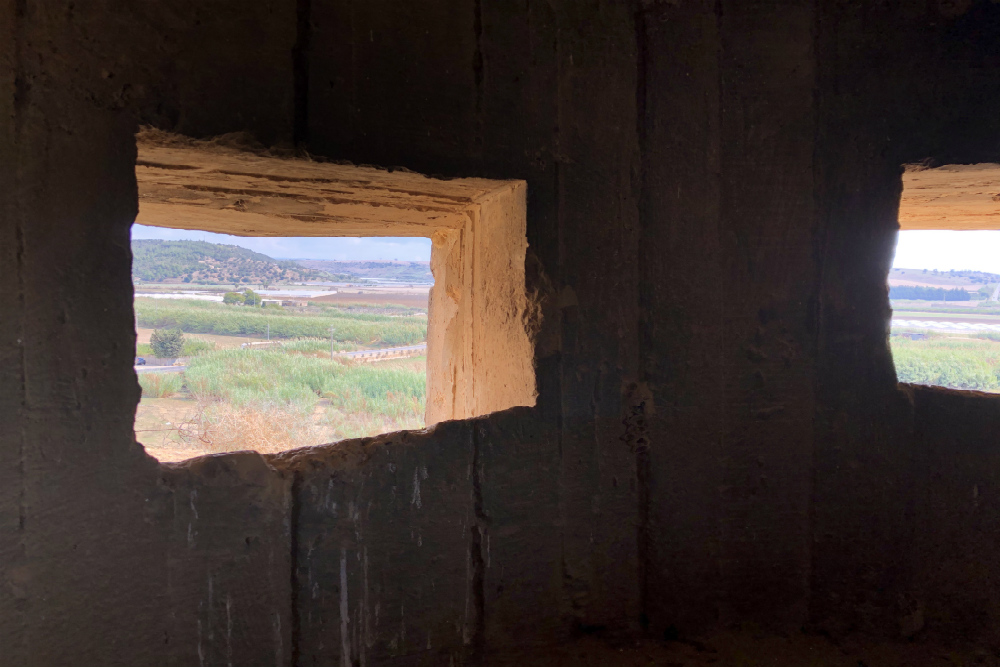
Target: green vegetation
[[167, 342], [160, 385], [200, 262], [960, 364], [210, 317]]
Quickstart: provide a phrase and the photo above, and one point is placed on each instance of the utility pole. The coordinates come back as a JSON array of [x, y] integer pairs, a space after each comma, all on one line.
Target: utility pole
[[332, 329], [269, 331]]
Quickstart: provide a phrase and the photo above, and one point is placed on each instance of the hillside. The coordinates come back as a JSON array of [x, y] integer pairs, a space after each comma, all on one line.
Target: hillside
[[382, 271], [199, 262], [934, 278]]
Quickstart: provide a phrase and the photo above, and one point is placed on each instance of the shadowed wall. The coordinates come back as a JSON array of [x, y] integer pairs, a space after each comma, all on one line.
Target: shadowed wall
[[719, 438]]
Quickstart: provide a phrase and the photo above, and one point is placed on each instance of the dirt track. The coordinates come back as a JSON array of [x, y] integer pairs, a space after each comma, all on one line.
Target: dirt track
[[143, 334], [410, 300]]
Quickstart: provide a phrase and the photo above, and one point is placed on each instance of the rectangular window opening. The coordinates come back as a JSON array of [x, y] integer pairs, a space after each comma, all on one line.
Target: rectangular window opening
[[271, 344], [944, 285], [283, 303]]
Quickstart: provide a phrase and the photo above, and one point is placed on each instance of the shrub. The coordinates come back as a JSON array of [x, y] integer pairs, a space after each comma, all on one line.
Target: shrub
[[232, 298], [167, 342]]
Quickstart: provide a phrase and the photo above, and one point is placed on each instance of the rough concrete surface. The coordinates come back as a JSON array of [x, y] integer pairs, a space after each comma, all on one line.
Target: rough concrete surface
[[719, 447]]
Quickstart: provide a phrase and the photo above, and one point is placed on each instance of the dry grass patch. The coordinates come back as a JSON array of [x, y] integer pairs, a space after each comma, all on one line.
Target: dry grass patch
[[224, 427]]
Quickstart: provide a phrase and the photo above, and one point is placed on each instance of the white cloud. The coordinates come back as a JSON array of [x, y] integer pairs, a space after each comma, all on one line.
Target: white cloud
[[342, 248]]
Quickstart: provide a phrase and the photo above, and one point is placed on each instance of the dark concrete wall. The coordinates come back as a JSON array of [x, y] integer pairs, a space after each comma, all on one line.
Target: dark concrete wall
[[719, 438]]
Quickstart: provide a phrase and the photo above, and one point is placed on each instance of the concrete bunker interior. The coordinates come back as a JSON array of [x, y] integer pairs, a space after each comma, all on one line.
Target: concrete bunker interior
[[719, 455], [479, 349]]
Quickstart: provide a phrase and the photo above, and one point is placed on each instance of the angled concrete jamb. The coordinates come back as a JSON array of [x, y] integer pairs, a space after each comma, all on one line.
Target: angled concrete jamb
[[479, 353]]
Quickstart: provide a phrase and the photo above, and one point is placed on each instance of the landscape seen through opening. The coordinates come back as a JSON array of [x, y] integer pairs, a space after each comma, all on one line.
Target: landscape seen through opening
[[944, 288], [272, 344]]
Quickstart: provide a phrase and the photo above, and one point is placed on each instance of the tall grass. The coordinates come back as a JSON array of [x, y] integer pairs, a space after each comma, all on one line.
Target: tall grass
[[270, 377], [160, 385], [960, 364], [193, 316], [271, 400]]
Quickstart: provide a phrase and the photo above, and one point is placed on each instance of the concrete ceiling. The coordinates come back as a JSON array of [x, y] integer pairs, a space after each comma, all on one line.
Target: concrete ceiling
[[960, 197], [218, 189]]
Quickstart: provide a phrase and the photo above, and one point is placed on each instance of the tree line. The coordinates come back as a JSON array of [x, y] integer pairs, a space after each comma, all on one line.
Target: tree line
[[928, 293]]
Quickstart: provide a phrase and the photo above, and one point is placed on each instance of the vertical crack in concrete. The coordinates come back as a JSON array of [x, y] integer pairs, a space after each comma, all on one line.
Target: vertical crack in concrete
[[300, 72], [476, 559], [22, 365], [478, 69], [345, 613], [815, 312], [718, 565], [642, 455], [20, 101], [295, 509]]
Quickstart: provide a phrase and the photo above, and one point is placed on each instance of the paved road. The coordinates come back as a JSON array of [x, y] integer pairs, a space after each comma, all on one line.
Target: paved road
[[160, 369], [356, 354]]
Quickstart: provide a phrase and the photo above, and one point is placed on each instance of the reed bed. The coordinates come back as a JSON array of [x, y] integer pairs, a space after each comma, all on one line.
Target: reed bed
[[160, 385], [274, 400]]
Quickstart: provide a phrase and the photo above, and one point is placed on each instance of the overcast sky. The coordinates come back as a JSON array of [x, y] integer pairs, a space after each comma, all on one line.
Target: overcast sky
[[944, 250], [343, 248]]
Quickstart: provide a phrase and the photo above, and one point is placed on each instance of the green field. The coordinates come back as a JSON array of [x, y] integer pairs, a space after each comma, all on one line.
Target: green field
[[209, 317], [949, 361]]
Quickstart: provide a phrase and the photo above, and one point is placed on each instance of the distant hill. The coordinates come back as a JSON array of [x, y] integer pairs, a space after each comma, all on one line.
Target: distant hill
[[402, 272], [199, 262], [933, 278]]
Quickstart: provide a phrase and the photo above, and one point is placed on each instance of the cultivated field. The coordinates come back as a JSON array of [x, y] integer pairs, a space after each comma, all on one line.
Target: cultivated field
[[959, 362], [292, 395], [354, 326]]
